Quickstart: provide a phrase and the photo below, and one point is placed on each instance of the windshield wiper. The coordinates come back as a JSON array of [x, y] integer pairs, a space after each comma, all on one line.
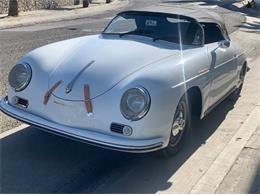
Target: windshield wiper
[[165, 38]]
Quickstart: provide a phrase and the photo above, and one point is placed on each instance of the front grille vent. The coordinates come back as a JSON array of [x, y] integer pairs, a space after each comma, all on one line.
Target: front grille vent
[[117, 128], [21, 102]]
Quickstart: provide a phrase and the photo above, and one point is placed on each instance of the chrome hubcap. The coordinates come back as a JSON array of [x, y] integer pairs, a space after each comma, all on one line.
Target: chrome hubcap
[[178, 124]]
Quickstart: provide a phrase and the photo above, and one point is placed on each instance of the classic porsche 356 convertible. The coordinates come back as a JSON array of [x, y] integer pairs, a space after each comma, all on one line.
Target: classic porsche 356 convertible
[[136, 86]]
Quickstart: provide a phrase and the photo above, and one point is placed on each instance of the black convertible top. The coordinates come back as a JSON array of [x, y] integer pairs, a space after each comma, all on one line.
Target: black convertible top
[[201, 15]]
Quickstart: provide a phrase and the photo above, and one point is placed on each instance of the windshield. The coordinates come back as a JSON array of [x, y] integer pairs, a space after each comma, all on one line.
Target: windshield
[[157, 27]]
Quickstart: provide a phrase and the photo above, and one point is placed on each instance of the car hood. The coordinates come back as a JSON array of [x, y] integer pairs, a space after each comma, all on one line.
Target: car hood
[[102, 62]]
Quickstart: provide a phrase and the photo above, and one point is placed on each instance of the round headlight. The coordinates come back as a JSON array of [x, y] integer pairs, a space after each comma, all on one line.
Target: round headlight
[[135, 103], [20, 76]]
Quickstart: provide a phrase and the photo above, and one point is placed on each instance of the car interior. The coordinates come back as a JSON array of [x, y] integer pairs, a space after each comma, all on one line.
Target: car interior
[[212, 33]]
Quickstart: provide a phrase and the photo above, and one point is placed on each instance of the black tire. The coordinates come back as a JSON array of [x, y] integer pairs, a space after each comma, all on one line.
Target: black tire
[[236, 94], [176, 140]]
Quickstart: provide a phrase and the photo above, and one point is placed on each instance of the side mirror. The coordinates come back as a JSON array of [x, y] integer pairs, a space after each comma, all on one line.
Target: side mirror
[[224, 44]]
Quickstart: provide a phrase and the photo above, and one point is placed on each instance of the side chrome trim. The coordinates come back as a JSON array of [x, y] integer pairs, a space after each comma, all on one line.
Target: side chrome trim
[[195, 77], [204, 70], [223, 63]]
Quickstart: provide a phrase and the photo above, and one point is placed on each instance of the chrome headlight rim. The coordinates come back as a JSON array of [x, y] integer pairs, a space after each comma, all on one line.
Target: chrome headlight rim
[[146, 108], [26, 82]]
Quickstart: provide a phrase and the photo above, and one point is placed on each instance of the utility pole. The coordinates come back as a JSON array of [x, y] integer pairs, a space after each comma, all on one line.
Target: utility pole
[[13, 8]]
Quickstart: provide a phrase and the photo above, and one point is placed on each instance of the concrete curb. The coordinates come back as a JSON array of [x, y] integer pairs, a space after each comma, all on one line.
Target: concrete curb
[[14, 130], [116, 4], [211, 180]]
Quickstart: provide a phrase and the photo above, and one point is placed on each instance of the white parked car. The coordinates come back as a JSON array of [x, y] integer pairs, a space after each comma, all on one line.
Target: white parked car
[[134, 87]]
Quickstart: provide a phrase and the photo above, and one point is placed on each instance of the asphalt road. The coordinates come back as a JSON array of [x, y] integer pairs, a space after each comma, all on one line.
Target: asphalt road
[[33, 161]]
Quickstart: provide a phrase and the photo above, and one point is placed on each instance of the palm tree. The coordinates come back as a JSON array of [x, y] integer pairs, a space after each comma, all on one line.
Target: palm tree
[[13, 8]]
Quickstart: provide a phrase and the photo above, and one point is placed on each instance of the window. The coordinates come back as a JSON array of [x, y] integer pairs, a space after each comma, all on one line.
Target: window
[[212, 33], [157, 27], [121, 25]]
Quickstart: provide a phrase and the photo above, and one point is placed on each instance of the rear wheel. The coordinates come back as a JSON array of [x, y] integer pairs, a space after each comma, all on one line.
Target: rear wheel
[[236, 93], [180, 125]]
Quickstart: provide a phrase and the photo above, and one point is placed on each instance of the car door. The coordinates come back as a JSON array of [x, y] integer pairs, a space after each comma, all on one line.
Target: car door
[[222, 63]]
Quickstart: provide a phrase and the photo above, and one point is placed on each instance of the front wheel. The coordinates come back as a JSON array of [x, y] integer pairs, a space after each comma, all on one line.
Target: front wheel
[[180, 125]]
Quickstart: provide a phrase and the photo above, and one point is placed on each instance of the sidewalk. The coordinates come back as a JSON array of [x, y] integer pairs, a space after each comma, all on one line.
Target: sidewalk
[[61, 14], [244, 176]]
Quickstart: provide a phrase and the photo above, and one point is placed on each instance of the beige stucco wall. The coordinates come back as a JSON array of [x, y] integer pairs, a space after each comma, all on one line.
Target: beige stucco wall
[[28, 5]]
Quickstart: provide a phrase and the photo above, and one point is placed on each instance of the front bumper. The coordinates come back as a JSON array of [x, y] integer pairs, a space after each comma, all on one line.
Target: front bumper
[[82, 135]]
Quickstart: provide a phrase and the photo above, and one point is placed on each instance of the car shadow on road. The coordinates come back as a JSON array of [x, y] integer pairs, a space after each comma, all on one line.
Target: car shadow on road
[[255, 184], [33, 161]]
